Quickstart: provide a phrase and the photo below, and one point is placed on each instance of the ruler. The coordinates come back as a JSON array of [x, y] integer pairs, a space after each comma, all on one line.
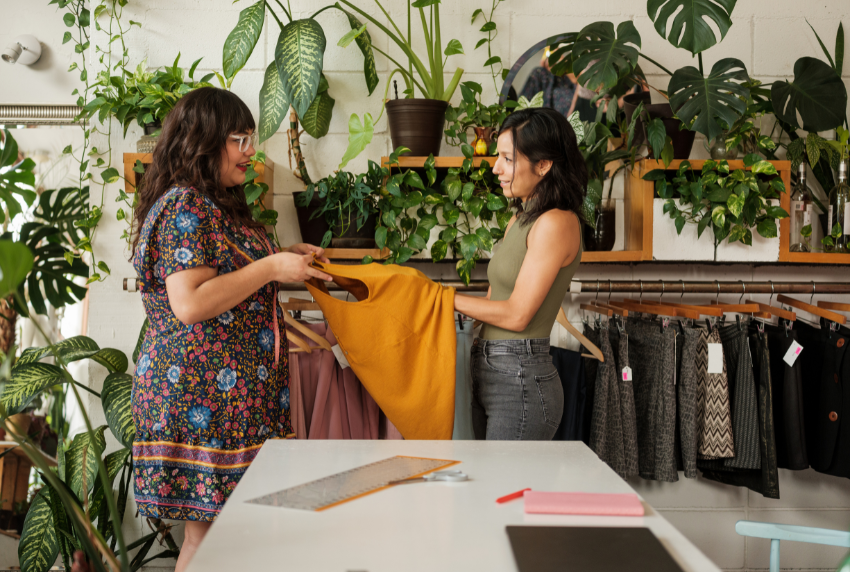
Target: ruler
[[348, 485]]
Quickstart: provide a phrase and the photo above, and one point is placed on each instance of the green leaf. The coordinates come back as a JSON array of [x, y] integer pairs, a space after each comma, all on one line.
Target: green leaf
[[601, 57], [806, 231], [467, 150], [817, 94], [710, 101], [381, 237], [416, 242], [776, 212], [404, 254], [451, 213], [496, 202], [274, 103], [359, 136], [485, 237], [822, 47], [468, 246], [350, 36], [492, 61], [69, 19], [70, 350], [27, 382], [81, 458], [468, 190], [751, 159], [767, 228], [241, 42], [475, 14], [317, 120], [110, 175], [39, 546], [298, 54], [655, 175], [115, 398], [464, 269], [453, 48], [836, 231], [764, 168], [364, 42], [428, 221], [412, 178], [439, 250], [656, 135], [690, 29], [839, 50], [737, 233], [449, 234], [703, 223], [488, 27], [680, 224], [668, 152], [718, 216], [16, 261], [453, 188]]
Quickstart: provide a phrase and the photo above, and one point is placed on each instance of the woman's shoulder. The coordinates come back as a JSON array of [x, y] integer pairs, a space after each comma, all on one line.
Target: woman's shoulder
[[558, 219]]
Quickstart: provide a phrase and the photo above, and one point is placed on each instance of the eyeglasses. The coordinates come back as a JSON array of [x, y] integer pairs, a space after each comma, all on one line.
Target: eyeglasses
[[245, 141]]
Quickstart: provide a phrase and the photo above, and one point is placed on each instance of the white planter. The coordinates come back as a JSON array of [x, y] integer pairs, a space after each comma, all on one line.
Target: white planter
[[668, 245], [762, 250]]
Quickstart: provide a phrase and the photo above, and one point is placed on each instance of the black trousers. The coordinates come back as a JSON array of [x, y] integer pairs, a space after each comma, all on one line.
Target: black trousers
[[788, 412]]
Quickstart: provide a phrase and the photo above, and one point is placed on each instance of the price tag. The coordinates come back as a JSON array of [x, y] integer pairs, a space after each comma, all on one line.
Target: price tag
[[792, 353], [846, 229], [715, 358], [807, 216], [340, 356], [627, 373]]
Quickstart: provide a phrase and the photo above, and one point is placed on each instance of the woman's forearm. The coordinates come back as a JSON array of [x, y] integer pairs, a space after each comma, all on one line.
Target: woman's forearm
[[501, 314]]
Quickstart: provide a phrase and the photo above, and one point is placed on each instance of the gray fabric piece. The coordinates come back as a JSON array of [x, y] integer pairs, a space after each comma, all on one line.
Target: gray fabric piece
[[620, 347], [687, 347], [652, 356], [606, 429]]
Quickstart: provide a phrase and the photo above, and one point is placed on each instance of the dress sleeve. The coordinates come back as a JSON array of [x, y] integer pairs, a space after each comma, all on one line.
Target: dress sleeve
[[190, 235]]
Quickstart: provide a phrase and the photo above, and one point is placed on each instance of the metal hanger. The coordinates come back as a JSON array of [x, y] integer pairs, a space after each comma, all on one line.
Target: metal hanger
[[702, 310], [595, 307], [656, 309], [623, 313], [773, 310]]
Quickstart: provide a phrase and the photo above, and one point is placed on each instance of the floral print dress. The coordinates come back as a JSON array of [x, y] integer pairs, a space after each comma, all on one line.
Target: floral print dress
[[207, 395]]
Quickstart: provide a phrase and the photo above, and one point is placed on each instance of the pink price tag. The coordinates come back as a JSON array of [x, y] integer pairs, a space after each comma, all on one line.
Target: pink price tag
[[798, 351]]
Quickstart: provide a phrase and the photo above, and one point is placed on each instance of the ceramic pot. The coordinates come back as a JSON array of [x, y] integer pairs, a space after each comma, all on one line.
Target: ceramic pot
[[683, 140], [353, 238], [483, 138], [312, 230], [147, 142], [18, 424], [417, 124], [603, 237]]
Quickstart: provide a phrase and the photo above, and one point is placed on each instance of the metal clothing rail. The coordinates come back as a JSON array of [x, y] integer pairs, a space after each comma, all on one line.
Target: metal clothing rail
[[715, 287]]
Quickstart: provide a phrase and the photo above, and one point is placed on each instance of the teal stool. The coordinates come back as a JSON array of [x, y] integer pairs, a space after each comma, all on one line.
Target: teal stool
[[776, 532]]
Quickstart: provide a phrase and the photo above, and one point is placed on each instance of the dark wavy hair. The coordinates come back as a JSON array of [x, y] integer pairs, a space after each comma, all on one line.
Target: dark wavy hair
[[188, 154], [543, 134]]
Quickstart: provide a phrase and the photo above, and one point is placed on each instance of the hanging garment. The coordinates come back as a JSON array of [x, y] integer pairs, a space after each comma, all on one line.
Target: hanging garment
[[606, 428], [765, 479], [687, 348], [463, 383], [399, 337], [714, 420], [591, 366], [570, 366], [814, 369], [329, 398], [787, 382], [620, 347], [652, 356]]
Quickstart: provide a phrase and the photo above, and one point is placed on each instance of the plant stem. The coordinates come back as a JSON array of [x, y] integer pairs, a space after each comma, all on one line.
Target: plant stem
[[665, 70], [390, 20], [404, 72], [295, 147], [438, 49], [323, 9], [282, 7], [78, 384], [699, 55], [450, 90], [279, 23]]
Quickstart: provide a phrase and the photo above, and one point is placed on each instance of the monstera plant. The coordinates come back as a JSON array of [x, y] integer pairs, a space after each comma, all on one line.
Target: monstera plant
[[294, 79]]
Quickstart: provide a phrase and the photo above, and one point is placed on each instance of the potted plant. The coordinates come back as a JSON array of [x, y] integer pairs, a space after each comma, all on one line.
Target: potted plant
[[739, 206], [415, 123], [471, 113]]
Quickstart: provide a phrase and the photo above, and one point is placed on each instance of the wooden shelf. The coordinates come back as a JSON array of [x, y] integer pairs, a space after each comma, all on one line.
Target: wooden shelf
[[15, 474], [355, 253]]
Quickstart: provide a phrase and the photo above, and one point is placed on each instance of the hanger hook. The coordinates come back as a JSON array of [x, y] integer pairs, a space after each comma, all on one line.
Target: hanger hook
[[597, 290], [641, 291], [772, 292], [682, 297], [811, 300], [609, 291], [743, 290], [662, 291], [717, 298]]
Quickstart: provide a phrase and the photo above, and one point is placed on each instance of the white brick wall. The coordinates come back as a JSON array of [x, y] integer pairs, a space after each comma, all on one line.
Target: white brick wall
[[768, 40]]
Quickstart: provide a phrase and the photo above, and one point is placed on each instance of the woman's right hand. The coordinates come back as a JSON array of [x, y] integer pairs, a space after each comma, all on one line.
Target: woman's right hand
[[289, 267]]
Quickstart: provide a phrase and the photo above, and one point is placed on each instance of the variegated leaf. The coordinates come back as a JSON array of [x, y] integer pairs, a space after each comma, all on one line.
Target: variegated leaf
[[39, 546], [115, 398], [242, 40], [112, 359], [113, 461], [364, 42], [27, 382], [317, 120], [299, 56], [274, 104], [71, 349], [81, 459]]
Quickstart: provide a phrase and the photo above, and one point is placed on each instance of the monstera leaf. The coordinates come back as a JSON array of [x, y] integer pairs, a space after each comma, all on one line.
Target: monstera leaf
[[690, 29], [274, 103], [242, 40], [317, 120], [15, 263], [709, 100], [817, 94], [364, 42], [561, 57], [299, 55], [601, 57], [62, 208]]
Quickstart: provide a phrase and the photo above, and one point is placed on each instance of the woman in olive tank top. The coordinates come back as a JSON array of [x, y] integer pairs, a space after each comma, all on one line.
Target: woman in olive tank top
[[516, 392]]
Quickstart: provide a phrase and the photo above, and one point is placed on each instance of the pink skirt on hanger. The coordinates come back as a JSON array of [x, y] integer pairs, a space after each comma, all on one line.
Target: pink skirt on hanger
[[329, 402]]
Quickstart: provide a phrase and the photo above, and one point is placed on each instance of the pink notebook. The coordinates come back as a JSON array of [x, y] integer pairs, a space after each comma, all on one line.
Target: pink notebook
[[600, 504]]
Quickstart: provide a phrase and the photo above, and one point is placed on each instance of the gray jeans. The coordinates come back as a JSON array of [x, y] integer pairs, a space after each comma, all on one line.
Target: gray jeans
[[516, 392]]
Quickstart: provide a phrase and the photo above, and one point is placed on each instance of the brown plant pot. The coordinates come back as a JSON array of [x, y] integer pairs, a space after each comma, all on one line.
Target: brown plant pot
[[353, 238], [602, 238], [417, 124], [683, 140], [483, 138], [312, 231], [18, 424]]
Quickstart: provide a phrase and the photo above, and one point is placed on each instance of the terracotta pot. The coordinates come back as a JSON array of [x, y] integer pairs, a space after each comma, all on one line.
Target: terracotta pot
[[483, 138], [417, 124], [683, 140], [18, 424], [312, 231], [353, 238], [603, 237]]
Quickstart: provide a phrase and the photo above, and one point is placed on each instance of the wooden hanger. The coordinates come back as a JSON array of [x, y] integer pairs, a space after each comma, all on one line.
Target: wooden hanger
[[622, 312], [298, 304], [814, 310], [597, 309], [595, 352], [702, 310], [656, 309], [837, 306], [775, 311], [749, 308], [302, 345]]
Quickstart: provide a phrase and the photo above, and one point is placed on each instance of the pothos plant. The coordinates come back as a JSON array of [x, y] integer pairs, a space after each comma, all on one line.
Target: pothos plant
[[468, 208], [731, 203], [472, 112]]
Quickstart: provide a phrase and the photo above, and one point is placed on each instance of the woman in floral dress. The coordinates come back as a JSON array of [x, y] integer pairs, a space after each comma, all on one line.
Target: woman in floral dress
[[211, 380]]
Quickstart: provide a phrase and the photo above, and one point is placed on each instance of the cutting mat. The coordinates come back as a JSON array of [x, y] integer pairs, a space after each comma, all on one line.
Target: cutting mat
[[348, 485]]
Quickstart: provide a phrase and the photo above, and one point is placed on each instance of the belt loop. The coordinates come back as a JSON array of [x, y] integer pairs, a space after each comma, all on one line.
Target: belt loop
[[528, 347]]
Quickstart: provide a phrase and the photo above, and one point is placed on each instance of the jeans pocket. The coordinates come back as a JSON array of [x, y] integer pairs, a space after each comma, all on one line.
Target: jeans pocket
[[506, 364], [551, 395]]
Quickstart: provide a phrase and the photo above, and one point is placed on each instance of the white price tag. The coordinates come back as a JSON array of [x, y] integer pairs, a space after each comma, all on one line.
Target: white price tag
[[715, 358], [846, 223], [627, 373], [807, 216], [828, 230], [340, 356], [792, 353], [797, 205]]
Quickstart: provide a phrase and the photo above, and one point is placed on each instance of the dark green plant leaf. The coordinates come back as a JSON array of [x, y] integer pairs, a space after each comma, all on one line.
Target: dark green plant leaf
[[655, 175], [690, 29], [364, 42], [70, 349], [680, 224], [81, 458], [381, 237], [767, 228], [601, 57], [39, 546], [439, 250], [713, 100], [27, 382], [656, 135], [62, 208], [764, 168], [115, 398], [16, 261], [241, 42], [274, 103], [703, 223], [299, 54], [817, 94], [317, 119]]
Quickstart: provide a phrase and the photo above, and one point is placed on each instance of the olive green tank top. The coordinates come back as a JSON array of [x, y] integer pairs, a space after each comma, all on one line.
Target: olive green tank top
[[502, 272]]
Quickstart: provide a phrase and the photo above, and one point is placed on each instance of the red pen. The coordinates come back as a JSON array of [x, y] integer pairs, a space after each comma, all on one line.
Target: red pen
[[511, 496]]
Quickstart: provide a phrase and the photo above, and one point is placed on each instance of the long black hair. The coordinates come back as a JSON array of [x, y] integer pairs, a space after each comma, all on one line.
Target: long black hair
[[543, 134]]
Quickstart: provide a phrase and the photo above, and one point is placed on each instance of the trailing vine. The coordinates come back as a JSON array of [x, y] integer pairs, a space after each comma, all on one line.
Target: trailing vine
[[490, 28]]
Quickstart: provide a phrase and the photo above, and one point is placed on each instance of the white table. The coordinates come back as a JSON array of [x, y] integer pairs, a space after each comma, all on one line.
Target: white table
[[425, 527]]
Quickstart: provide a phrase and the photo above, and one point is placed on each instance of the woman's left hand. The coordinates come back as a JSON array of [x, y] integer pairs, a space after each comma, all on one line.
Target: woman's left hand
[[302, 248]]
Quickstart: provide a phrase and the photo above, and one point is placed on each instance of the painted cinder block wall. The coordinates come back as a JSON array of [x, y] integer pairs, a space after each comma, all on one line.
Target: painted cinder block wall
[[768, 37]]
